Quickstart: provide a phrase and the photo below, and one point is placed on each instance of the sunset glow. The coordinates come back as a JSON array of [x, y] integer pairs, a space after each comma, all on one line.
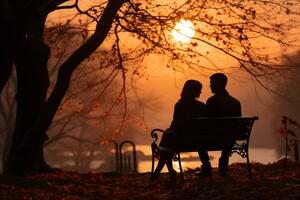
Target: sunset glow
[[183, 31]]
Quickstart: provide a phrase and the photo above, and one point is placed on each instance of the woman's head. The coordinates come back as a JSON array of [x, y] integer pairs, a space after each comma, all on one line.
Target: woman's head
[[191, 90]]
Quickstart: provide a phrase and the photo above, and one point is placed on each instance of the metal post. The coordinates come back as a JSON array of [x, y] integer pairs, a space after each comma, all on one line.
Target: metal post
[[133, 152], [128, 163], [121, 159], [286, 138], [116, 155], [125, 169], [296, 151], [284, 121]]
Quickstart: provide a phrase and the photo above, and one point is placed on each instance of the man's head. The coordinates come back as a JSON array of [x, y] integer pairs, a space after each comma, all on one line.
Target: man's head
[[218, 82]]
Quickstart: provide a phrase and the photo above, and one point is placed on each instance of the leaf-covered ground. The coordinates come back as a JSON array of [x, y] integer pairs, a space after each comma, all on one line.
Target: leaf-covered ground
[[273, 181]]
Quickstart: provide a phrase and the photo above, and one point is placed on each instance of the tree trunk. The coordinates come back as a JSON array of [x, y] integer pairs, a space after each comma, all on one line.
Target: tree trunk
[[66, 70], [34, 113], [32, 75], [6, 51], [8, 110]]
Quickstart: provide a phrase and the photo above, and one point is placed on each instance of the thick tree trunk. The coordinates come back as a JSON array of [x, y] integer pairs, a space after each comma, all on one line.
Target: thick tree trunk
[[8, 109], [31, 66], [34, 113], [6, 51], [6, 66], [66, 70]]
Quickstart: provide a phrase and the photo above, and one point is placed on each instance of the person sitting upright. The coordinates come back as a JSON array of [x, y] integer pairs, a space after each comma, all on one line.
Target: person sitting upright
[[221, 104], [186, 107]]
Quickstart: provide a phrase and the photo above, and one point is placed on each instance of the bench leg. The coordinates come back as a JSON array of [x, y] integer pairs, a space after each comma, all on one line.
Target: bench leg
[[180, 167], [153, 148], [152, 167], [248, 165]]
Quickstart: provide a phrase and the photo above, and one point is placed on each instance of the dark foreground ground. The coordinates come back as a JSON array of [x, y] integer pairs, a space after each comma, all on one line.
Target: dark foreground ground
[[271, 181]]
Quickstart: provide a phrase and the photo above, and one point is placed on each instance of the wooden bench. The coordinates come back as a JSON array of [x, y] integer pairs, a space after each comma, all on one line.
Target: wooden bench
[[211, 134]]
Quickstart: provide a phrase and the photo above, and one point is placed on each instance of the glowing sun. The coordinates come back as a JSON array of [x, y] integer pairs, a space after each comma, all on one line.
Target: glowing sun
[[183, 31]]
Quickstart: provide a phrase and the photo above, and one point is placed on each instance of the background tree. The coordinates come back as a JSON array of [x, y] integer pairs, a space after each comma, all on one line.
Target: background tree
[[289, 106], [230, 28], [88, 115]]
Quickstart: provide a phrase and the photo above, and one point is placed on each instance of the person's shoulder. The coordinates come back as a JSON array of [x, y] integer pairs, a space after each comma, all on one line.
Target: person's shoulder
[[178, 104], [211, 99], [234, 99], [199, 103]]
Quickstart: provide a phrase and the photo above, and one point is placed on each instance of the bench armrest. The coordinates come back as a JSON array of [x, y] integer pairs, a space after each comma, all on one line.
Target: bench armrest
[[155, 131]]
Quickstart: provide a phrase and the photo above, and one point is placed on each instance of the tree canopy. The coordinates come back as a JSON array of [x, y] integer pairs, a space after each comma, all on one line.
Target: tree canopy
[[253, 35]]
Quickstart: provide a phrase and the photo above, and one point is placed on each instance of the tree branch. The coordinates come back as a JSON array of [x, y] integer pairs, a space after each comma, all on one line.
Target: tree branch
[[67, 68]]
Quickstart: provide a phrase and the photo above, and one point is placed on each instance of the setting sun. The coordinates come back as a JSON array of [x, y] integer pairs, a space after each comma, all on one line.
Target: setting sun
[[183, 31]]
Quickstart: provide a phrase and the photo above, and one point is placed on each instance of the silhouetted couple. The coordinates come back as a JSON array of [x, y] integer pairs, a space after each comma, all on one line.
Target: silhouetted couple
[[221, 104]]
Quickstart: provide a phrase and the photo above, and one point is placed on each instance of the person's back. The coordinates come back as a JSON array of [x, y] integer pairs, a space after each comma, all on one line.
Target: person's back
[[223, 105], [187, 109]]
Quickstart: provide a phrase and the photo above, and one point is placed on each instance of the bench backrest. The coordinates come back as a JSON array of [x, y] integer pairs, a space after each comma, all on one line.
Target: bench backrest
[[213, 133]]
